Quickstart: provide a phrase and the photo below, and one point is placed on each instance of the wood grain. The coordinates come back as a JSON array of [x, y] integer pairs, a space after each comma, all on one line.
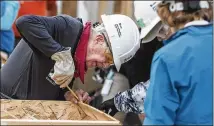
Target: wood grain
[[50, 110]]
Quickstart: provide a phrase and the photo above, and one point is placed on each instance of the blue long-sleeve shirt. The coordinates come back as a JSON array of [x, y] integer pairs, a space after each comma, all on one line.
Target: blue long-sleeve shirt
[[180, 90]]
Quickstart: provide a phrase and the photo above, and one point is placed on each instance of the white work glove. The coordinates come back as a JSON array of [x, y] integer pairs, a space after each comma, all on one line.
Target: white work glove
[[64, 68]]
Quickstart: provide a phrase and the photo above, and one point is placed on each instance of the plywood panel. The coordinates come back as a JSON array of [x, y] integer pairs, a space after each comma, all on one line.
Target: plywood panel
[[46, 112], [58, 122]]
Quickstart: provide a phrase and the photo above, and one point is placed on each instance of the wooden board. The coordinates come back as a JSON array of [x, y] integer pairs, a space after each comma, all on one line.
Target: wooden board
[[69, 7], [58, 122], [102, 9], [36, 112], [127, 8]]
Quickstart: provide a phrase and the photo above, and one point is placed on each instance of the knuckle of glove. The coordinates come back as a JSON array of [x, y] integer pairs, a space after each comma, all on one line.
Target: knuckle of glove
[[63, 70]]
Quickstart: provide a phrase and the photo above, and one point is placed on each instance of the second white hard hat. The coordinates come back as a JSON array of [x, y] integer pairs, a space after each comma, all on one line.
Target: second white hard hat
[[147, 19], [123, 35]]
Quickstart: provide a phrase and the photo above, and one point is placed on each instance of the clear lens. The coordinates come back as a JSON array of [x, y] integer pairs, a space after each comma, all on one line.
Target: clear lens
[[101, 29], [107, 40], [108, 53], [164, 31]]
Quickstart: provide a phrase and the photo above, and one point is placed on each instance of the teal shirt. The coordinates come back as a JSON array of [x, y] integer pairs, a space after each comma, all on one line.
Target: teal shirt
[[180, 90]]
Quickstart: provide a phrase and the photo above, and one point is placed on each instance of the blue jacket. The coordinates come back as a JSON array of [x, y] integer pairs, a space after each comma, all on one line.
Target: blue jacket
[[180, 90], [9, 11]]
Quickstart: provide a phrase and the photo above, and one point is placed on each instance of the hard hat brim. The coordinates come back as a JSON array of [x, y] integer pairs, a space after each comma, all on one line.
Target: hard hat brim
[[117, 62], [149, 30], [112, 32], [116, 58], [152, 34]]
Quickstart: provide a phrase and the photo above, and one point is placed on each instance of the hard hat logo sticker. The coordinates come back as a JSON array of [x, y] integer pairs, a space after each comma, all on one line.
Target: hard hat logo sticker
[[141, 23], [118, 27], [154, 6], [128, 58]]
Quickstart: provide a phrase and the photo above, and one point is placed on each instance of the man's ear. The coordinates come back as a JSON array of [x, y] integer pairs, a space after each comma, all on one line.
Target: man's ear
[[99, 39]]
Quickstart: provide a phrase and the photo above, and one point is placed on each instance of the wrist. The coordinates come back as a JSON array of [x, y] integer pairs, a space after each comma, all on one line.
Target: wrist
[[116, 106], [63, 54], [116, 103]]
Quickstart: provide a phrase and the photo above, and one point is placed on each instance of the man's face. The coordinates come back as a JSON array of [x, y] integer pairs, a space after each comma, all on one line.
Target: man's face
[[98, 54]]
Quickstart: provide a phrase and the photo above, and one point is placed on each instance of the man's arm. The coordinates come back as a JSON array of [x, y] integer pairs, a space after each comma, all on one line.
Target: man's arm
[[37, 31], [162, 99], [132, 100]]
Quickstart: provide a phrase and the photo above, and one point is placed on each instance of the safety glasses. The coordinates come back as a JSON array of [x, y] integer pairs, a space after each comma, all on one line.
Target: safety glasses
[[164, 31], [108, 55], [108, 52], [107, 41], [101, 29]]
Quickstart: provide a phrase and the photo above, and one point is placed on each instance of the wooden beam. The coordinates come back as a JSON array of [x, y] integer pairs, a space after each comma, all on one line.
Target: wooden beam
[[6, 122], [69, 8], [127, 8], [102, 8], [117, 6]]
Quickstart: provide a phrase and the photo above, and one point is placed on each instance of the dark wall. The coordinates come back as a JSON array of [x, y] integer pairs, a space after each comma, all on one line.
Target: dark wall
[[138, 68]]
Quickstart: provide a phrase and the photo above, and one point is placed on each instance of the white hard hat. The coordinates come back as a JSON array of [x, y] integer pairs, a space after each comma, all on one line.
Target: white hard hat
[[123, 35], [148, 19]]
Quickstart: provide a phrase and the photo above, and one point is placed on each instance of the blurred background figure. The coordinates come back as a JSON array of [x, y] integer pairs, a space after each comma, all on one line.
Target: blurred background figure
[[35, 7], [8, 13]]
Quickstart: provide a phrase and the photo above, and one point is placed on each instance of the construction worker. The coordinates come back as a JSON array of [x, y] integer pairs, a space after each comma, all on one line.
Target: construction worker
[[9, 11], [64, 44], [35, 7]]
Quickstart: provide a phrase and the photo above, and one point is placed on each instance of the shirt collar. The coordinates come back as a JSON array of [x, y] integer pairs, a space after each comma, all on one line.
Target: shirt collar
[[199, 22], [181, 31]]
